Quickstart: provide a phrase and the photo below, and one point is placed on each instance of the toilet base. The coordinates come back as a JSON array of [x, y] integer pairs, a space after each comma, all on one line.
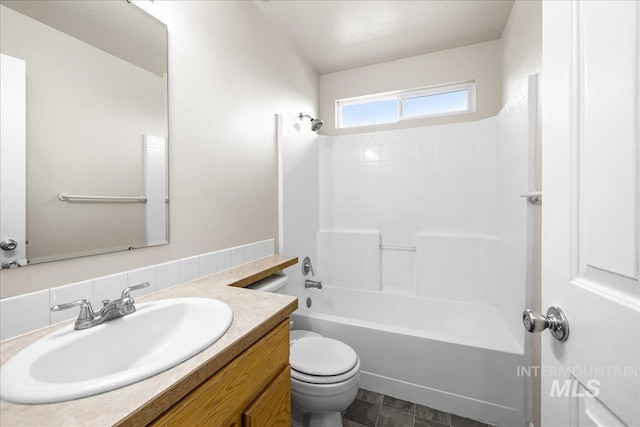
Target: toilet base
[[299, 418]]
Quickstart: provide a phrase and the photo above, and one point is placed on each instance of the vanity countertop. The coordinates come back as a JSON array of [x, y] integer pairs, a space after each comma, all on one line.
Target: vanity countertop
[[254, 314]]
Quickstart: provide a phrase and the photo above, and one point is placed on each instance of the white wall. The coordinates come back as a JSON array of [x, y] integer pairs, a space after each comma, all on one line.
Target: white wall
[[521, 46], [298, 147], [230, 72], [480, 62]]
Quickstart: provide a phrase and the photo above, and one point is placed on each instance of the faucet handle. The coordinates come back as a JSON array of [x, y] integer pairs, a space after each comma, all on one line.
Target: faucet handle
[[307, 267], [126, 293], [86, 311]]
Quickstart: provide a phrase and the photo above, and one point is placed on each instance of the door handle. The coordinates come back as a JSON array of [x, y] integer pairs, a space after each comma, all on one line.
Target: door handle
[[10, 264], [555, 320], [8, 244]]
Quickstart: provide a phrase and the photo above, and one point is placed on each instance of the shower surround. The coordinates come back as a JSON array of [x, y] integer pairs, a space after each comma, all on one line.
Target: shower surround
[[410, 221]]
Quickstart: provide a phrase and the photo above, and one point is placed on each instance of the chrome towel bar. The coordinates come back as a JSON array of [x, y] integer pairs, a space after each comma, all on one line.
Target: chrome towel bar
[[398, 248], [82, 198]]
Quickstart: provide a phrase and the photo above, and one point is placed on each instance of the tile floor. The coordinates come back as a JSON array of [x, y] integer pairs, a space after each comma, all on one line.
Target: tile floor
[[372, 409]]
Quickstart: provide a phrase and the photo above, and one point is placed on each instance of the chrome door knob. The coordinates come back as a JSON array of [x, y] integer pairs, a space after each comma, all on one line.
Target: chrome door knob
[[555, 320], [10, 264], [8, 244]]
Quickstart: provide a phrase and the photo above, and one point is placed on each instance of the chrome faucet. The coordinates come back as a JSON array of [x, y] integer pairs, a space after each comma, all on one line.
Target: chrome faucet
[[313, 284], [110, 309]]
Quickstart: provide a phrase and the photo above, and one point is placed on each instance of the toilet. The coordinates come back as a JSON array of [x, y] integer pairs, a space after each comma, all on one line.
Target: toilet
[[325, 373], [325, 376]]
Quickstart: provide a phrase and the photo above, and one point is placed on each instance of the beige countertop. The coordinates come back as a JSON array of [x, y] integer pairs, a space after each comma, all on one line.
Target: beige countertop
[[254, 314]]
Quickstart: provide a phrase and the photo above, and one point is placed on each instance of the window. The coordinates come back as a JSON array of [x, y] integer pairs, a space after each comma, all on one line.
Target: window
[[397, 106]]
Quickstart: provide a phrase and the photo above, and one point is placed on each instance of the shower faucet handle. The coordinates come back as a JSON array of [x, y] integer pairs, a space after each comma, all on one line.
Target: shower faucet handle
[[307, 267]]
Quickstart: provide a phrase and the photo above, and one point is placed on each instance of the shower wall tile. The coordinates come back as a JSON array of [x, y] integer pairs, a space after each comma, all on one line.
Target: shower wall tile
[[350, 258], [515, 141], [460, 182], [487, 146], [325, 178], [487, 185], [512, 257], [456, 157], [406, 270], [457, 267], [456, 185], [487, 212], [439, 179], [511, 301]]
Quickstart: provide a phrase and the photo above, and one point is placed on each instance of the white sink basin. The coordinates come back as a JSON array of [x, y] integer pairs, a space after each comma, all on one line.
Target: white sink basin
[[70, 364]]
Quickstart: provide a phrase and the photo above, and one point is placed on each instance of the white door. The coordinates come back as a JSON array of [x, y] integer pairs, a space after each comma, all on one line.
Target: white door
[[13, 159], [591, 211]]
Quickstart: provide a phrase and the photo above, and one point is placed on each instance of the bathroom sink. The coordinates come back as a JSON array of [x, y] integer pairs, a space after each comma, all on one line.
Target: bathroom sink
[[70, 364]]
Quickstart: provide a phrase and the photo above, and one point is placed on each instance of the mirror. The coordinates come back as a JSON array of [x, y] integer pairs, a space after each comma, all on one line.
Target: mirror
[[84, 130]]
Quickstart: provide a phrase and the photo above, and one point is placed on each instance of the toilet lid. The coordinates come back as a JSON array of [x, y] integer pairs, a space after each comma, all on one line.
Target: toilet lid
[[296, 334], [321, 356]]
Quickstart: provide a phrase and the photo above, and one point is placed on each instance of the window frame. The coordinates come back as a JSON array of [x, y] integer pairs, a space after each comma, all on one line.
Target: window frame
[[402, 95]]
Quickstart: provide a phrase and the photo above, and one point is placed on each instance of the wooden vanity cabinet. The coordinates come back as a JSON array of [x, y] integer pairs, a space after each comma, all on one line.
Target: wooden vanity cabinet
[[253, 390], [273, 406]]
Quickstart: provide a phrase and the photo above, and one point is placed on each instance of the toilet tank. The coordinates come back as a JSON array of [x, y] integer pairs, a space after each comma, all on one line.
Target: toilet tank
[[272, 283]]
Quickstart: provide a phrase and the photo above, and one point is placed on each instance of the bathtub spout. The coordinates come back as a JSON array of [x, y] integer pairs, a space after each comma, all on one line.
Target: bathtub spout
[[313, 284]]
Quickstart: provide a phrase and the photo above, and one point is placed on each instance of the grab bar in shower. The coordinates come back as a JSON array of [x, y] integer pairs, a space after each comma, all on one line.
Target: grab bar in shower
[[82, 198], [398, 248], [532, 196]]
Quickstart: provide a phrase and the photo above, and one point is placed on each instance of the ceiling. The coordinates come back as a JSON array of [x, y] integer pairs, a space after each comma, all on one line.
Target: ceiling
[[343, 34], [116, 27]]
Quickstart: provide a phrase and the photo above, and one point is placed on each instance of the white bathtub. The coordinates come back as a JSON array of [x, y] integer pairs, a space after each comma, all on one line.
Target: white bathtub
[[455, 357]]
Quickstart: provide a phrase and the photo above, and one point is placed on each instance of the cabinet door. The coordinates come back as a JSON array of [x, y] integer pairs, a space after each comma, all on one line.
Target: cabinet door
[[219, 401], [236, 422], [273, 407]]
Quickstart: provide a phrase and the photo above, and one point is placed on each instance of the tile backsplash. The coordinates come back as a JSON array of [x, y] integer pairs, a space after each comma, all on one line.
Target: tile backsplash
[[25, 313]]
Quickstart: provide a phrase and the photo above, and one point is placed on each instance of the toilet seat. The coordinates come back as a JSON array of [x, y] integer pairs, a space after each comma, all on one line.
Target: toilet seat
[[325, 380], [319, 360]]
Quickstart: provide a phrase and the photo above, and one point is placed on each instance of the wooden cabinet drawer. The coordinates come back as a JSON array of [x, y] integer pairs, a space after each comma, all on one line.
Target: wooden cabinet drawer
[[273, 407], [222, 398]]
